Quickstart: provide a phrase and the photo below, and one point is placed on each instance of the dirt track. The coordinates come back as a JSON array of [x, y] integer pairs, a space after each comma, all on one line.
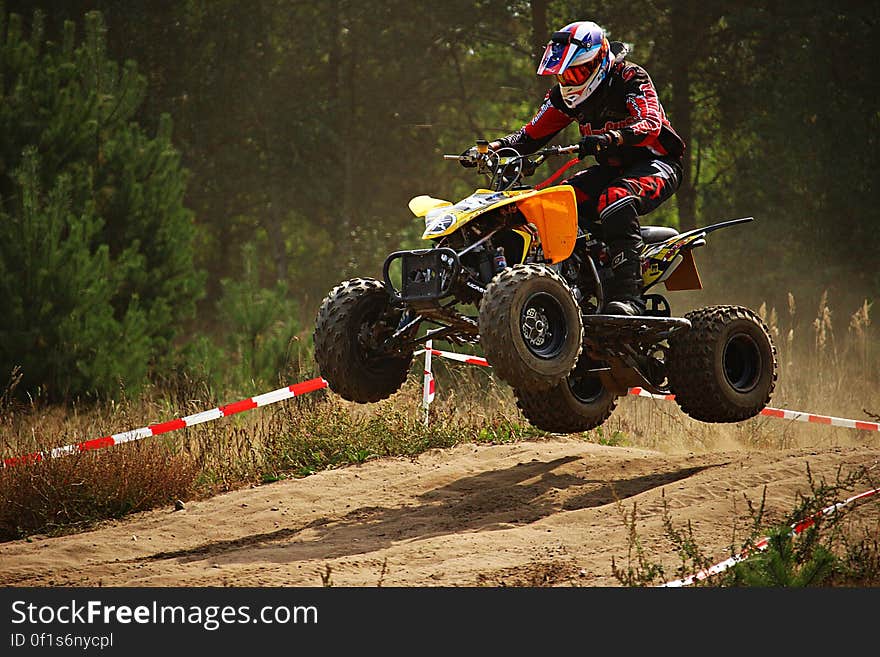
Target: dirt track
[[533, 513]]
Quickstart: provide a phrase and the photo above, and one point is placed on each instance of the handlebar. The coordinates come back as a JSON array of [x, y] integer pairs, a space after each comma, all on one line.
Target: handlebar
[[506, 171], [574, 148], [552, 150]]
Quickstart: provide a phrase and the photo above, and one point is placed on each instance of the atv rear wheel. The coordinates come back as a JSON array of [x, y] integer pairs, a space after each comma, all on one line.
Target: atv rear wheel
[[724, 368], [578, 403], [530, 327], [353, 321]]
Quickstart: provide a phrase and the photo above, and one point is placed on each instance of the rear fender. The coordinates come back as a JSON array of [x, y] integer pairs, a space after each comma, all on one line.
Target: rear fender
[[685, 275], [672, 262]]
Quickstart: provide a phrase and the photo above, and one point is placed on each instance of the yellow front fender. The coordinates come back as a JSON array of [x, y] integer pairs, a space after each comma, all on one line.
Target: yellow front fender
[[421, 205]]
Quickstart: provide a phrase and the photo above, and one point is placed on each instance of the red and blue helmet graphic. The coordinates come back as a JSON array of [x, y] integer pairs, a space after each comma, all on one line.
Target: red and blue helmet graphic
[[575, 44]]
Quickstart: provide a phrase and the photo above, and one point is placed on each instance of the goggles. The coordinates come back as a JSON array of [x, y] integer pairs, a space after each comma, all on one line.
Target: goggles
[[577, 75]]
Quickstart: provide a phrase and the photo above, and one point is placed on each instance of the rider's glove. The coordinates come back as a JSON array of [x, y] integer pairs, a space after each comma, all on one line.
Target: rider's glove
[[469, 158], [595, 144]]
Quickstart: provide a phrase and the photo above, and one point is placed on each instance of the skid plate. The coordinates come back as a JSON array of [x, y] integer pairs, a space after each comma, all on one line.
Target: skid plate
[[425, 274]]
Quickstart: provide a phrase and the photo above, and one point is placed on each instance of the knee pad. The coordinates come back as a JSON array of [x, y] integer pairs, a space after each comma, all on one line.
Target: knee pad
[[620, 220]]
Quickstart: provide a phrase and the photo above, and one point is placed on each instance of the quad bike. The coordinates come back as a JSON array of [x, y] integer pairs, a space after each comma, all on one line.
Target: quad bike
[[515, 253]]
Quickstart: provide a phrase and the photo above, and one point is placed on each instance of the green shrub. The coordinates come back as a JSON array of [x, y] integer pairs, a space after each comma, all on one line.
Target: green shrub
[[96, 246], [261, 328]]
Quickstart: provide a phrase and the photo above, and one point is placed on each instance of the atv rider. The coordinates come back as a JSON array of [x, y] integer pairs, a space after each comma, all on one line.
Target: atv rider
[[623, 125]]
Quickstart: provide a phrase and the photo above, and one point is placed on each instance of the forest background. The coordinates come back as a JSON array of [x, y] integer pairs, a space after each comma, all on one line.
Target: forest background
[[182, 181]]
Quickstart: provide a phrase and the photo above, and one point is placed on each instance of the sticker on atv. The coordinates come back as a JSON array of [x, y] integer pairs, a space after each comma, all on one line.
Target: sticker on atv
[[440, 219]]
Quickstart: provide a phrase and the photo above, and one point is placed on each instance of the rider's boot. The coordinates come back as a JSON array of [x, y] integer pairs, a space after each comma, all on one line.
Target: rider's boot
[[623, 293]]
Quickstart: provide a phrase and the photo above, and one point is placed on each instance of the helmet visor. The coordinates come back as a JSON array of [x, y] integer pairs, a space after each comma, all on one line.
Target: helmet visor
[[555, 55], [560, 51]]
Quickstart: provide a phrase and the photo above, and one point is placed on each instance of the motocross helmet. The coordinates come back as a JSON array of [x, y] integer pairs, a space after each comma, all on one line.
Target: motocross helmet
[[579, 56]]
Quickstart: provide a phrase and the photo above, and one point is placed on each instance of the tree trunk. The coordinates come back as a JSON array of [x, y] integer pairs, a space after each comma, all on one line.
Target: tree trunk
[[682, 28], [539, 40], [273, 222]]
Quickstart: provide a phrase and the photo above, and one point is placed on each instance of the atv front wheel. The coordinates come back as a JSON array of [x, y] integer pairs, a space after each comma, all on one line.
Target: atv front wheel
[[723, 369], [579, 403], [530, 327], [353, 321]]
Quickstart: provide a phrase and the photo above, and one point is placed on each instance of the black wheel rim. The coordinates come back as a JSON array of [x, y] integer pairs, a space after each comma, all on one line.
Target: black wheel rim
[[373, 329], [542, 325], [742, 362], [586, 389]]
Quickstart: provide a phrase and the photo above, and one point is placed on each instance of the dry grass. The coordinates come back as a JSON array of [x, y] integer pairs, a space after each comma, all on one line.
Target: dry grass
[[72, 493], [289, 439], [821, 371]]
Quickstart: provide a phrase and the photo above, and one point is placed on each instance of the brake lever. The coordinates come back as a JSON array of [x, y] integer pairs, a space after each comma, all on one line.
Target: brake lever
[[530, 166]]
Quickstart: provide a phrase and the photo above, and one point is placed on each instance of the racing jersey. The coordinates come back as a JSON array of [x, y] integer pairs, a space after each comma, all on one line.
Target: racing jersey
[[626, 102]]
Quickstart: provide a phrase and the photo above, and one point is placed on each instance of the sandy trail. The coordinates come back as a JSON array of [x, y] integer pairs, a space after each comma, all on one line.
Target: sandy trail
[[545, 512]]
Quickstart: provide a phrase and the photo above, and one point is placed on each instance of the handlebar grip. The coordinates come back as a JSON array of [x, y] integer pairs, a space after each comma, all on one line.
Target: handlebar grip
[[574, 148], [452, 157]]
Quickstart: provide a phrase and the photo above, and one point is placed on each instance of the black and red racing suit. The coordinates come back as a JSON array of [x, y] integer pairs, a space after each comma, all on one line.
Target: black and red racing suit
[[630, 178]]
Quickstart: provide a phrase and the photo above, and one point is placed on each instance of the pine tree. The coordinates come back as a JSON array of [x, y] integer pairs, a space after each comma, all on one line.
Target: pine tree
[[96, 245]]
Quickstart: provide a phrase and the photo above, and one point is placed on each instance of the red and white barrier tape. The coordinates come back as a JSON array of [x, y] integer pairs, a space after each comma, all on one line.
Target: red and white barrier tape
[[784, 414], [295, 390], [265, 399], [764, 543], [464, 358], [798, 416], [311, 385]]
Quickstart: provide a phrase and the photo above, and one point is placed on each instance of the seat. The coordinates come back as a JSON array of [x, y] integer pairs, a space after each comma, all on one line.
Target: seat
[[653, 234]]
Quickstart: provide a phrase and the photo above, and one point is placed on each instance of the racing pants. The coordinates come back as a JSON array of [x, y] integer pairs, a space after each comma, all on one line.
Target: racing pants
[[610, 200]]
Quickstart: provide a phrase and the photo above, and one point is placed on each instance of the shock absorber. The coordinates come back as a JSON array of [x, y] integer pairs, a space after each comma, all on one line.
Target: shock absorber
[[500, 260], [485, 264]]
